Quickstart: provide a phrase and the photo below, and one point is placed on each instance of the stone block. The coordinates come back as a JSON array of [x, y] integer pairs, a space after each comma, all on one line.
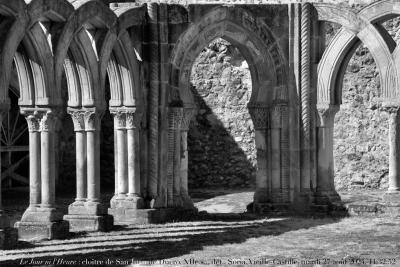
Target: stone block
[[35, 231], [8, 238], [392, 198], [148, 216], [89, 223]]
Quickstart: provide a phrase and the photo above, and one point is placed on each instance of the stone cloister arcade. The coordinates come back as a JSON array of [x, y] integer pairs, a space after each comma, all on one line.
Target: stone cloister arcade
[[146, 51]]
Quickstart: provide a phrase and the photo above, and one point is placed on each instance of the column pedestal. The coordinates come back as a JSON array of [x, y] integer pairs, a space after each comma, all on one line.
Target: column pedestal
[[41, 220]]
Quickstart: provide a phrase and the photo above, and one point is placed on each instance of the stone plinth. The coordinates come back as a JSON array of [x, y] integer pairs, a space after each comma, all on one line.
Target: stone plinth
[[86, 216], [35, 231], [391, 200], [120, 206], [148, 216], [41, 223]]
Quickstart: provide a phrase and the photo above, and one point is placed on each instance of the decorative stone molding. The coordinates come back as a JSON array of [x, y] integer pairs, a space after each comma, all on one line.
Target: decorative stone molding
[[119, 118], [93, 119], [78, 118], [38, 119], [259, 115], [48, 121], [391, 109], [188, 114], [33, 120], [133, 119], [326, 114], [175, 116], [276, 115]]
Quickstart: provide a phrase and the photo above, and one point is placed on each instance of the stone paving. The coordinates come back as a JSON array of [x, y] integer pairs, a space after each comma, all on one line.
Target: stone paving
[[219, 241]]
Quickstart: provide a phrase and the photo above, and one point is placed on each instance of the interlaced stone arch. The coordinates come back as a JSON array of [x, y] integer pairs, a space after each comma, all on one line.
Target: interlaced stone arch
[[356, 28]]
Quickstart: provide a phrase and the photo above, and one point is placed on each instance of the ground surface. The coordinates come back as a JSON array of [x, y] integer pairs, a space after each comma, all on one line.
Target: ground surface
[[223, 241]]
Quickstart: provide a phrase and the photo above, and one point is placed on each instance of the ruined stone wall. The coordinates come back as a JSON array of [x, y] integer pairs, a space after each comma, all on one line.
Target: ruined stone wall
[[221, 136]]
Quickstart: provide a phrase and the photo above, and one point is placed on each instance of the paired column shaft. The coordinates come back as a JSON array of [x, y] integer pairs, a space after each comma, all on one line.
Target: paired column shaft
[[35, 196], [126, 123], [394, 150]]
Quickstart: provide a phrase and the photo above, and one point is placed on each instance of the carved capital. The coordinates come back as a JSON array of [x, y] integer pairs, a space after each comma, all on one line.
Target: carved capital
[[326, 114], [259, 115], [40, 119], [93, 119], [188, 114], [133, 119], [392, 110], [276, 115], [48, 121], [33, 120], [175, 116], [119, 118], [78, 118]]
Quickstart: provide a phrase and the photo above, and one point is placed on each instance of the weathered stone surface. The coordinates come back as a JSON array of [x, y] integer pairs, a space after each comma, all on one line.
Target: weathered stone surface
[[221, 138], [31, 231], [89, 223]]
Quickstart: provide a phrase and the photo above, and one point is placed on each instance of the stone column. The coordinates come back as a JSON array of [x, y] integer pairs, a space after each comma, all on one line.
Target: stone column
[[325, 162], [175, 115], [92, 128], [35, 183], [392, 195], [8, 235], [47, 129], [41, 220], [187, 202], [133, 140], [89, 214], [260, 117], [121, 152], [78, 118], [275, 135]]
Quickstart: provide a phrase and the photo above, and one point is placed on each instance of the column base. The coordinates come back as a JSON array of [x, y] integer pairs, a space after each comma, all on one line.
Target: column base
[[391, 201], [326, 197], [86, 208], [187, 202], [149, 216], [89, 223], [261, 196], [274, 209], [35, 231], [303, 202], [128, 202], [39, 214]]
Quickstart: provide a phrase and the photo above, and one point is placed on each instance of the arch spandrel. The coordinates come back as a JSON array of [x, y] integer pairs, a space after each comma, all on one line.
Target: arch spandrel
[[380, 10], [89, 15], [251, 37], [54, 10], [131, 16], [341, 15]]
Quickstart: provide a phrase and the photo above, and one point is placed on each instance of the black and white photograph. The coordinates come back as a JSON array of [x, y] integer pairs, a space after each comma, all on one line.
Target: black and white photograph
[[199, 133]]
